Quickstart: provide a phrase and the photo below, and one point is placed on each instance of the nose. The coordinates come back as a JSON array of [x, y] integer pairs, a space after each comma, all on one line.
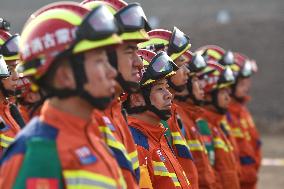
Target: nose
[[168, 95], [137, 62], [112, 73], [14, 75], [186, 70]]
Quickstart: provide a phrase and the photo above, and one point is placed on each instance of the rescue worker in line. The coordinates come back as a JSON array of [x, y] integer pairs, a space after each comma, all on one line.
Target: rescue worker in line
[[239, 119], [73, 71], [156, 157], [175, 43], [216, 81], [11, 120], [28, 101], [195, 128], [127, 63]]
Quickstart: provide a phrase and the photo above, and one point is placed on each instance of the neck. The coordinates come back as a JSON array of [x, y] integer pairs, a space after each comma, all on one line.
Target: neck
[[73, 105], [148, 117]]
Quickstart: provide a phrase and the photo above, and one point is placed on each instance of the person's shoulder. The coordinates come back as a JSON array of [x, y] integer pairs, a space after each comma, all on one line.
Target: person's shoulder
[[139, 137], [34, 129]]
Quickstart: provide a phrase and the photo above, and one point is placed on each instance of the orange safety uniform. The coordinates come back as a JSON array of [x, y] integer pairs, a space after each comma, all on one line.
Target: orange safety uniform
[[8, 127], [85, 160], [121, 142], [226, 165], [180, 146], [254, 134], [24, 113], [240, 130], [156, 158], [189, 114]]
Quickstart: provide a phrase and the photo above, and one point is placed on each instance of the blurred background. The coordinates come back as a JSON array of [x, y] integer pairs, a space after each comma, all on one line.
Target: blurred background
[[254, 27]]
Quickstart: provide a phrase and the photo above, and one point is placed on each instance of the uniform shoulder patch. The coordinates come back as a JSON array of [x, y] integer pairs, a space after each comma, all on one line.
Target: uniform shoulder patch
[[139, 138], [85, 155]]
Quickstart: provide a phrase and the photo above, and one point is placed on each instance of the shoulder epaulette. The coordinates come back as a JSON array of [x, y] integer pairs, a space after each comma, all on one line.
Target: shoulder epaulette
[[139, 138]]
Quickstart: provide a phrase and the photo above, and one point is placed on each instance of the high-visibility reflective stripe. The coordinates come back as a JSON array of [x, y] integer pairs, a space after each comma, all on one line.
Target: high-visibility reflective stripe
[[219, 143], [134, 159], [195, 145], [111, 141], [174, 179], [161, 170], [247, 136], [5, 141], [237, 133], [84, 179], [177, 139]]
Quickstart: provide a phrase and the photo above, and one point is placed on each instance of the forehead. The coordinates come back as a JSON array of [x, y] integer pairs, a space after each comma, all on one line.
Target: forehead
[[160, 82]]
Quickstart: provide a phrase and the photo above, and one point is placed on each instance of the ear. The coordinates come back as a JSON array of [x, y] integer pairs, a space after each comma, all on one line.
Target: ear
[[136, 99], [64, 77]]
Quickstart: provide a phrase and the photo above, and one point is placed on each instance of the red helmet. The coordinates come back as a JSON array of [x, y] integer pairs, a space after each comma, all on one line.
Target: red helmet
[[174, 42], [131, 18], [211, 52], [63, 27], [216, 76], [243, 66]]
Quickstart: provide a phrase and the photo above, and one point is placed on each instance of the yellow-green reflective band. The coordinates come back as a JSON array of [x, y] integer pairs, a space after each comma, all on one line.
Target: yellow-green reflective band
[[112, 142], [2, 41], [134, 159], [195, 145], [86, 45], [176, 55], [137, 35], [84, 179], [15, 57], [237, 133], [60, 14], [219, 143], [149, 81], [153, 41], [5, 141], [214, 54], [177, 139], [174, 179]]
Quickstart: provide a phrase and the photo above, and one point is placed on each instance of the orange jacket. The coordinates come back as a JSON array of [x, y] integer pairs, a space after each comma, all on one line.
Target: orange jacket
[[225, 161], [24, 112], [85, 160], [125, 148], [254, 134], [180, 146], [247, 155], [206, 175], [156, 156], [8, 127]]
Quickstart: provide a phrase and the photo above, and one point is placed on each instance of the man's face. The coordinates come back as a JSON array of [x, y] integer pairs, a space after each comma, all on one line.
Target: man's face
[[101, 75], [224, 97], [10, 83], [197, 90], [181, 76], [243, 86], [129, 63], [160, 95]]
